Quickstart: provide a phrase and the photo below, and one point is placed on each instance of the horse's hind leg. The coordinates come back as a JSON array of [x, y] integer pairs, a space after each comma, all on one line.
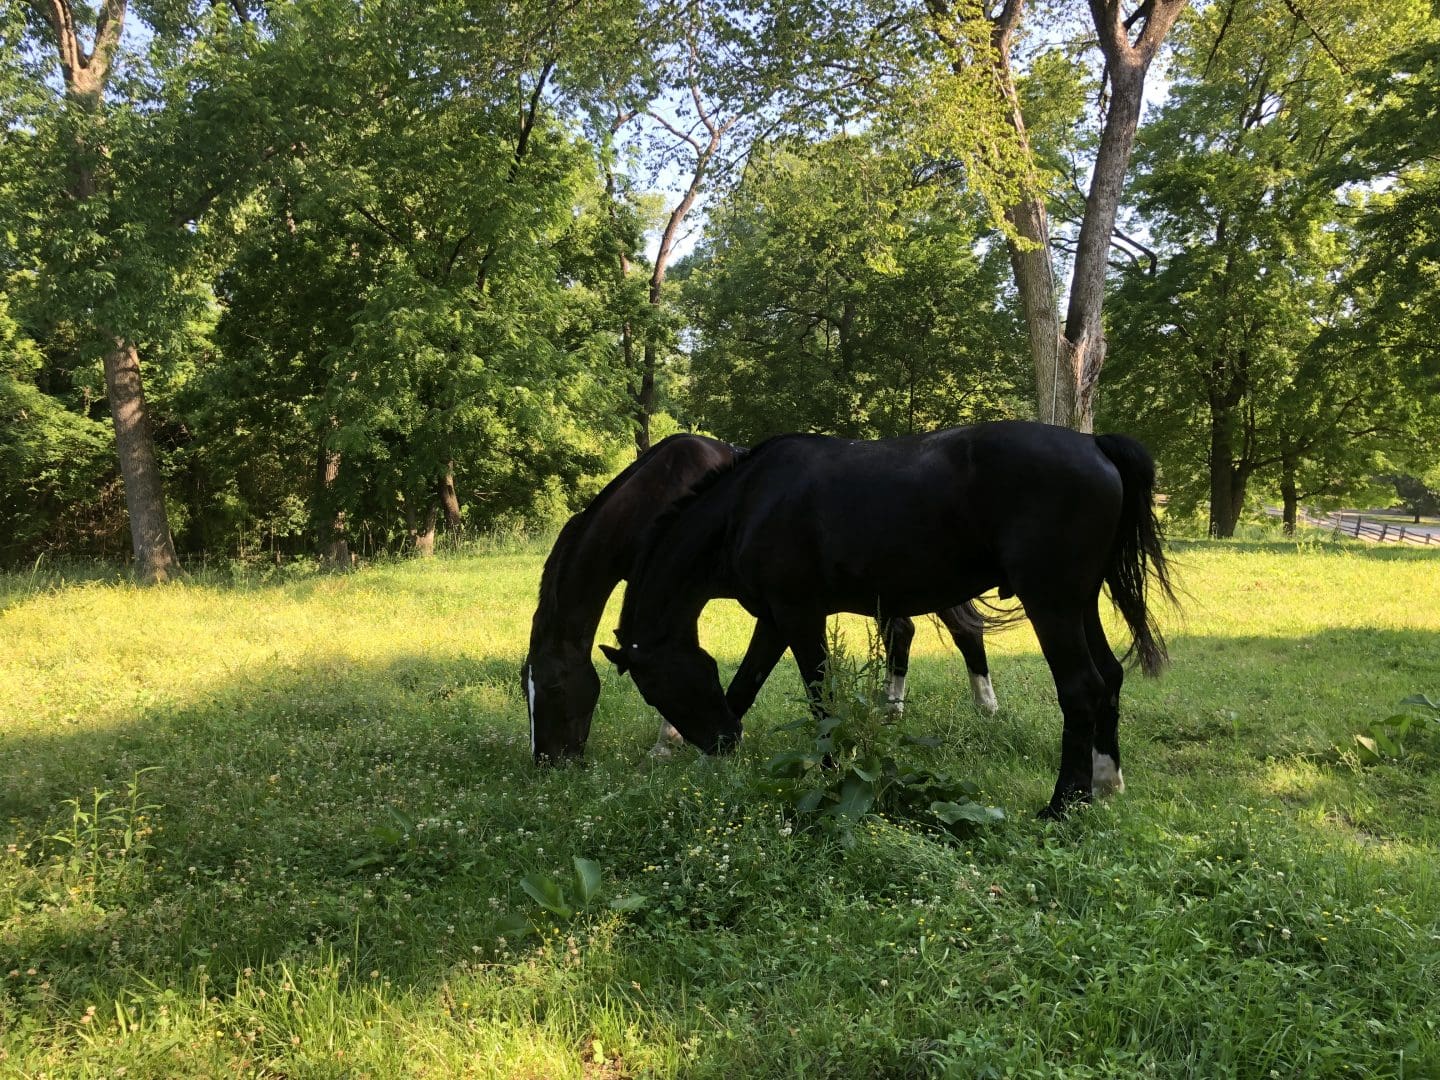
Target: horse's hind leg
[[1106, 778], [967, 628], [1082, 693], [897, 633]]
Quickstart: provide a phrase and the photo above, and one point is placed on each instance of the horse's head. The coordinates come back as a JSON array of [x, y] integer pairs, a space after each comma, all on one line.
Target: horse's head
[[683, 683], [561, 689]]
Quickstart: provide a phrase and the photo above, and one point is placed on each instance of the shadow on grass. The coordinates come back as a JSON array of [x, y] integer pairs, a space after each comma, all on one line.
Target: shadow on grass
[[387, 811]]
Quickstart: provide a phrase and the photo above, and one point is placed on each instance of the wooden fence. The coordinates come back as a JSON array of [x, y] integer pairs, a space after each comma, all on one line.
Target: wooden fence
[[1380, 532]]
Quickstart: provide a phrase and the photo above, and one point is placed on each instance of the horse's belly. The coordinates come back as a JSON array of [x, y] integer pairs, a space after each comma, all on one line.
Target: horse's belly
[[902, 589]]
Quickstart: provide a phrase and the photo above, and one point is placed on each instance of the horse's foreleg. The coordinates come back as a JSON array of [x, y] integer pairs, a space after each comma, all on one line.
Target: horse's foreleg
[[1106, 778], [897, 633], [967, 628], [1081, 690], [806, 636], [767, 645]]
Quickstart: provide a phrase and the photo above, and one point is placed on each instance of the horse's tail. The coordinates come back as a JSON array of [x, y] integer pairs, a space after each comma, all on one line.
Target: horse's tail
[[1137, 555]]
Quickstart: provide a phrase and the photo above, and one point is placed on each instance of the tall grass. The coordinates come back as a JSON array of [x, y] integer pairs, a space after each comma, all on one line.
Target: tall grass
[[330, 811]]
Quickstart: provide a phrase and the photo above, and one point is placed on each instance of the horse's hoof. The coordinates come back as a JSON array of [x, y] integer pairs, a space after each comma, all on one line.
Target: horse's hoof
[[662, 751]]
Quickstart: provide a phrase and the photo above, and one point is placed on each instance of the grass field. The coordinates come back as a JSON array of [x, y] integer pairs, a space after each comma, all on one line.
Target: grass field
[[302, 810]]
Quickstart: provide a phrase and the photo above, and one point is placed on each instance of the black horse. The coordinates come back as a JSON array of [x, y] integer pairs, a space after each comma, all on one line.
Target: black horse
[[595, 550], [808, 525]]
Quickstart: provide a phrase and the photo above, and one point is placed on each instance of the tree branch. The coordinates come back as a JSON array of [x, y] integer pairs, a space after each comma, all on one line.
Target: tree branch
[[693, 142], [1294, 10]]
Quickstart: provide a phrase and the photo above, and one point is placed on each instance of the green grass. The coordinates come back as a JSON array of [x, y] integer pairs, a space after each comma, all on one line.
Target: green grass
[[315, 878]]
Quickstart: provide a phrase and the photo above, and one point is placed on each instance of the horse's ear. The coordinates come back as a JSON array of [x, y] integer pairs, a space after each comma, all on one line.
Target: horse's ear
[[616, 657]]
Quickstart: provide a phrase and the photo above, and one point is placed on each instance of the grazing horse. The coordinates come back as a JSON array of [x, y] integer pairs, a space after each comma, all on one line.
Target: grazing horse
[[806, 526], [595, 550]]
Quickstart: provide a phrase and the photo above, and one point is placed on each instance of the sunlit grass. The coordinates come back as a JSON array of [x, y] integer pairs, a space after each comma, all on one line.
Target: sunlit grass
[[1255, 901]]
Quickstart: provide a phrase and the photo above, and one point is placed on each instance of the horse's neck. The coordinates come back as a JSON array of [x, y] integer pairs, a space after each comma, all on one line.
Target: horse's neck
[[586, 575], [681, 574]]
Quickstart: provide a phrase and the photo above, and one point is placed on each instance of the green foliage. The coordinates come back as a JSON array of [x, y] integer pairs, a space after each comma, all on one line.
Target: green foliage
[[103, 847], [460, 267], [843, 288], [860, 764], [584, 889], [1395, 738], [1247, 352], [51, 457]]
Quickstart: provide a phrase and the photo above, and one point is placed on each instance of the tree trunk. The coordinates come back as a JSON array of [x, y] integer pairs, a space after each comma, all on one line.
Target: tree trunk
[[1067, 368], [1084, 348], [645, 398], [1035, 281], [1222, 472], [144, 497], [425, 538], [450, 502], [1288, 496], [330, 518], [85, 77], [1239, 483], [705, 151], [1029, 248]]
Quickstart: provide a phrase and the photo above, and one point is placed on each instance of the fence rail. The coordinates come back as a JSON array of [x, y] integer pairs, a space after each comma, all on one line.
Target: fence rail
[[1380, 532]]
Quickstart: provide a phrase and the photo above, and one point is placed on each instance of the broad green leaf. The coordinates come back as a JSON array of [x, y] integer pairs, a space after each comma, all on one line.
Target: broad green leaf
[[791, 764], [809, 801], [953, 813], [587, 879], [867, 769], [855, 799], [546, 892], [1367, 749]]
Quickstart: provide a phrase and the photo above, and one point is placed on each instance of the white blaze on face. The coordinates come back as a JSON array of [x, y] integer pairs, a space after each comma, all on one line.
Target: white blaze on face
[[1105, 775], [982, 693], [895, 693], [530, 703]]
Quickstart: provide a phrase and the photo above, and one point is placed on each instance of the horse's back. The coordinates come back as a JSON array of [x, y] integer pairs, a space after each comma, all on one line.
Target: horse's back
[[920, 522]]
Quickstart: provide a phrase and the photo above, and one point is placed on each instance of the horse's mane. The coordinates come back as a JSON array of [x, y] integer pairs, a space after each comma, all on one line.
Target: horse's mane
[[548, 606], [667, 516], [660, 527]]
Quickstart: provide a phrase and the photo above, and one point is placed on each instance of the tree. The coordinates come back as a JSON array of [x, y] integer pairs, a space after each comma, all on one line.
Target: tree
[[126, 156], [86, 182], [705, 98], [1067, 361], [423, 292], [844, 289], [1419, 495], [1238, 347]]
